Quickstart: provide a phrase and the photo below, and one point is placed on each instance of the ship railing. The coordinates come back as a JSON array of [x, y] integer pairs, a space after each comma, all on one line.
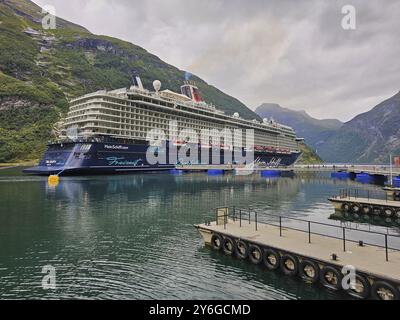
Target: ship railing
[[347, 234], [193, 105], [207, 107]]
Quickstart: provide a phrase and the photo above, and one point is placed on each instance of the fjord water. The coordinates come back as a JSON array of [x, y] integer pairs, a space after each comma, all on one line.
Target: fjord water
[[132, 236]]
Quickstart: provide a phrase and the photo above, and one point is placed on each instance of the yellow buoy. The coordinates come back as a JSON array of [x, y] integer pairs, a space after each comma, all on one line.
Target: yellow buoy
[[53, 180]]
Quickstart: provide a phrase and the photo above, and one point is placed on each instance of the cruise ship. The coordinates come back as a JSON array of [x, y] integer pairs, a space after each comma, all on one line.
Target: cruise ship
[[107, 132]]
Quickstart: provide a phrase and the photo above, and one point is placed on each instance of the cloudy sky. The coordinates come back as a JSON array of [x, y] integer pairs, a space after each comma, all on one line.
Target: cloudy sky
[[292, 52]]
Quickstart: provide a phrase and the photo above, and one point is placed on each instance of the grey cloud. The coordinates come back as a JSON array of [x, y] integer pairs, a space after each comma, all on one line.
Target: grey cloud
[[291, 52]]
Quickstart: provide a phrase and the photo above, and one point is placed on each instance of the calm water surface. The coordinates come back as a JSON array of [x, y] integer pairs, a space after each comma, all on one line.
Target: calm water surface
[[132, 237]]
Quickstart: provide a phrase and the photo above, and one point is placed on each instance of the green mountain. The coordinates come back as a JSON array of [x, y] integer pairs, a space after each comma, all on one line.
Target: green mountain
[[308, 155], [315, 132], [40, 69], [368, 138]]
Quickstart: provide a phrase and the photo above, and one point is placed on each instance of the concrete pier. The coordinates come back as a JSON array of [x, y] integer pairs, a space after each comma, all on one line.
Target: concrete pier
[[368, 204], [377, 266]]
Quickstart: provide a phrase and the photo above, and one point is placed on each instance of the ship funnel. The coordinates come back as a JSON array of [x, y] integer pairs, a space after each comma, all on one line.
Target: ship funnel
[[137, 82], [190, 90]]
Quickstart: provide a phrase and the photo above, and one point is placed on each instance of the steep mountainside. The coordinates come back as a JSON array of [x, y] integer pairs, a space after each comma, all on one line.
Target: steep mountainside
[[369, 137], [308, 156], [314, 131], [40, 69]]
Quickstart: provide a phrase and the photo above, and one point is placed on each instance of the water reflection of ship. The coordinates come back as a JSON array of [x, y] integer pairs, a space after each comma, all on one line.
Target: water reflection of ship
[[98, 188], [156, 191], [141, 196]]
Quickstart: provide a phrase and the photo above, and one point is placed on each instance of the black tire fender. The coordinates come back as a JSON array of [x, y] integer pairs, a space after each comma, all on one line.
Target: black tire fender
[[346, 207], [388, 212], [255, 254], [271, 259], [216, 242], [228, 246], [309, 271], [360, 280], [367, 209], [377, 211], [331, 278], [242, 249], [382, 290], [289, 265], [356, 208]]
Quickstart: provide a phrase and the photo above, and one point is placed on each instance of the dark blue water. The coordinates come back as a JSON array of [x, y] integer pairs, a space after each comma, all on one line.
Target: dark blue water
[[132, 237]]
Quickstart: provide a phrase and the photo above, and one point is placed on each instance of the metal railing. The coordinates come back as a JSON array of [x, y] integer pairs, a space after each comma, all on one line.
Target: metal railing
[[222, 215], [362, 193]]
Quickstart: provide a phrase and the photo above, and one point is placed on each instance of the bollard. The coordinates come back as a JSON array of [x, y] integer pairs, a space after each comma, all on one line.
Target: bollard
[[344, 239], [386, 247]]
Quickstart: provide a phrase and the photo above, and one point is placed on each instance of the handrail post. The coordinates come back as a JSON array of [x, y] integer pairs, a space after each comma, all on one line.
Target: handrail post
[[309, 231], [256, 221], [386, 247], [234, 213], [216, 216], [240, 218], [344, 239], [225, 219], [280, 226]]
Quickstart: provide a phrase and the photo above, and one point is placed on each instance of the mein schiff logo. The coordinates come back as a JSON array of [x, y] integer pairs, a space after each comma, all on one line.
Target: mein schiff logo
[[115, 147]]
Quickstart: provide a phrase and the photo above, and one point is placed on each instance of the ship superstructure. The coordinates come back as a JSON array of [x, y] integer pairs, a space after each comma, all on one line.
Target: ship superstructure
[[108, 130]]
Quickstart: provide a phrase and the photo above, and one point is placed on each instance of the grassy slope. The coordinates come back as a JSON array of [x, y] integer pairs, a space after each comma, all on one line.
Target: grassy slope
[[308, 155]]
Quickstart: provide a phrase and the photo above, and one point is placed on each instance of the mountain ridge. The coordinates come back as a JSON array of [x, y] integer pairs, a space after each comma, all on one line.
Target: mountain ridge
[[328, 123], [314, 131], [369, 137], [40, 69]]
